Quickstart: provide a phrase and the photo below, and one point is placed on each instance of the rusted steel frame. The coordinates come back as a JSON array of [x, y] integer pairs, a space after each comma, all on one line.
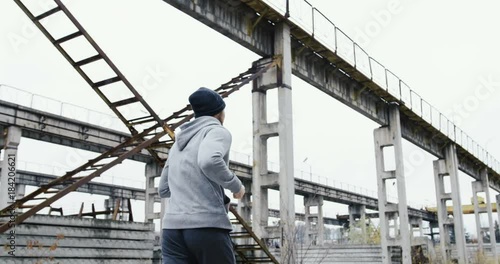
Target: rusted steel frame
[[68, 175], [108, 61], [81, 182], [66, 55], [249, 230], [81, 72]]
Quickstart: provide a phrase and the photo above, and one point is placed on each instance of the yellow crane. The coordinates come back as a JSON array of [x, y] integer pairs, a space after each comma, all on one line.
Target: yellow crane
[[466, 208]]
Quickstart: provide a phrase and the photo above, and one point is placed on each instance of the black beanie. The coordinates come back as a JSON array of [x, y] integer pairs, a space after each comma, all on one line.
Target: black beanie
[[206, 102]]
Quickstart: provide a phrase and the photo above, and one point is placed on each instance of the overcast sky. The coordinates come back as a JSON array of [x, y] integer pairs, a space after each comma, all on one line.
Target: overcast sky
[[446, 51]]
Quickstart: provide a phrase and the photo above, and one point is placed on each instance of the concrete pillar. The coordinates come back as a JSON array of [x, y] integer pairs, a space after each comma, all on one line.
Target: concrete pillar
[[416, 225], [489, 209], [286, 176], [444, 222], [449, 167], [20, 191], [152, 171], [110, 204], [321, 225], [498, 208], [314, 235], [260, 205], [477, 187], [12, 138], [385, 137], [421, 226], [245, 204], [357, 214], [482, 186], [308, 225], [280, 78], [433, 225]]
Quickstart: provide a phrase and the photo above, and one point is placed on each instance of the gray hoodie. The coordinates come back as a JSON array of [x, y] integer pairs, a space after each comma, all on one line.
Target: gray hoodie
[[195, 175]]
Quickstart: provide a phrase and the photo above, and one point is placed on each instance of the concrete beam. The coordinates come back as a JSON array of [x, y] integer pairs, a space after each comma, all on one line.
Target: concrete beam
[[56, 129], [106, 189]]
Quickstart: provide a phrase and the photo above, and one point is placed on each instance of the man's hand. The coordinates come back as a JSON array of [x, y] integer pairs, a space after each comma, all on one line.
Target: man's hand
[[239, 194]]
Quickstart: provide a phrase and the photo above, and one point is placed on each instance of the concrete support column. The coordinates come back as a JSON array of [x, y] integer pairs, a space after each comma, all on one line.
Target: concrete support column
[[109, 204], [244, 204], [421, 226], [498, 207], [280, 78], [357, 214], [482, 186], [385, 137], [448, 167], [321, 224], [260, 205], [152, 171], [283, 46], [11, 139], [433, 225], [416, 225], [477, 188], [315, 229], [308, 225], [20, 191]]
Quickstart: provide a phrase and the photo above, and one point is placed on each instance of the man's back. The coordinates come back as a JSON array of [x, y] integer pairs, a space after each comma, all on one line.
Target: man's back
[[196, 199], [195, 225]]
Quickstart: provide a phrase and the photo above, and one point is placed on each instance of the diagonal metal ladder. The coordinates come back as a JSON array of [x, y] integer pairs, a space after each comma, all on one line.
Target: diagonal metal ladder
[[253, 250], [98, 56]]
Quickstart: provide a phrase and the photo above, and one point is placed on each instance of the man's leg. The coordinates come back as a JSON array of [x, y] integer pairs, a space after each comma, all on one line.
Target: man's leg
[[210, 245], [174, 249]]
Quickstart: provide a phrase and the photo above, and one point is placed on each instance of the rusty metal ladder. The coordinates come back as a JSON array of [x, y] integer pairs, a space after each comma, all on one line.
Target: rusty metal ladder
[[101, 86], [253, 250]]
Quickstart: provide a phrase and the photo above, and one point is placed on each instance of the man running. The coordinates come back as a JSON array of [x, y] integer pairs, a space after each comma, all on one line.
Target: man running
[[196, 225]]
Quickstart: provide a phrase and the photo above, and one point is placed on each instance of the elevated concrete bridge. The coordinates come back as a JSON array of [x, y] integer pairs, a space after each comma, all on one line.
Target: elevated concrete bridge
[[321, 54]]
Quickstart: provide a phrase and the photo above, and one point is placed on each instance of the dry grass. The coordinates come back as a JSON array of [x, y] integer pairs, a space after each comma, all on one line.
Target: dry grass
[[476, 258]]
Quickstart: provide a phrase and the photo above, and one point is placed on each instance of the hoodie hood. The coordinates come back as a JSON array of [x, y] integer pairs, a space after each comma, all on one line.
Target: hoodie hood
[[190, 129]]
